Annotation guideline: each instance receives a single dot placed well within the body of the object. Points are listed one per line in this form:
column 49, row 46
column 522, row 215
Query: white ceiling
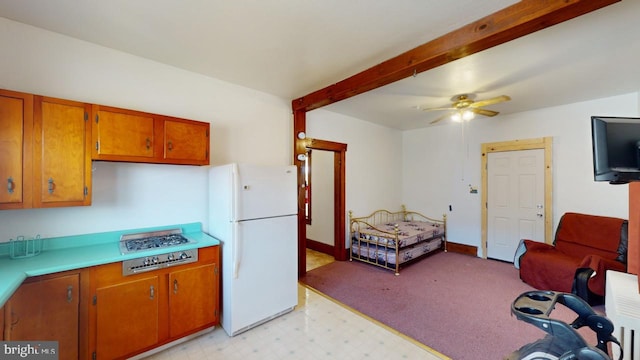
column 290, row 48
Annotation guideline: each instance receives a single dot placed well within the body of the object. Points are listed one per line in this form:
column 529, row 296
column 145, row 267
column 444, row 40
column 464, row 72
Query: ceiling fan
column 463, row 107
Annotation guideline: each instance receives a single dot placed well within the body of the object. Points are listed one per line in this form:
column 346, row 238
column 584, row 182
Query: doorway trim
column 339, row 169
column 544, row 143
column 339, row 207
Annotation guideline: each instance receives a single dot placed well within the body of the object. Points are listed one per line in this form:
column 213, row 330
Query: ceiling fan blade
column 495, row 100
column 440, row 118
column 484, row 112
column 435, row 109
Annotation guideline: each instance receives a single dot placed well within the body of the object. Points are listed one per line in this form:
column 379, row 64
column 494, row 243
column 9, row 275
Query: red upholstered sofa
column 585, row 247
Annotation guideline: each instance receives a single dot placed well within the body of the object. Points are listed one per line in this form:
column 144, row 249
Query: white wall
column 374, row 160
column 438, row 169
column 138, row 195
column 426, row 169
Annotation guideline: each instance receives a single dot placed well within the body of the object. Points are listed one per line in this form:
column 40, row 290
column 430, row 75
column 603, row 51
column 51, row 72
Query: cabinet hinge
column 94, row 356
column 215, row 270
column 86, row 191
column 97, row 118
column 97, row 145
column 95, row 300
column 86, row 116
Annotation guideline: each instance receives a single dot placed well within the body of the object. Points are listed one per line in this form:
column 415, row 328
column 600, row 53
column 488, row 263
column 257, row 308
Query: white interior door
column 515, row 200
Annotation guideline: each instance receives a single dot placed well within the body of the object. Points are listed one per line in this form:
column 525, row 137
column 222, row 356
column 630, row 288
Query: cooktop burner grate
column 165, row 239
column 151, row 240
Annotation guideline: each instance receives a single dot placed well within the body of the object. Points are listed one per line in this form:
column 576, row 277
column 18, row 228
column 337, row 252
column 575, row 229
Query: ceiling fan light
column 468, row 115
column 456, row 116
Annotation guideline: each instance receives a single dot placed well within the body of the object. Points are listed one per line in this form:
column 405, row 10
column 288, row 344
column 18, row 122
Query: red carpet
column 457, row 304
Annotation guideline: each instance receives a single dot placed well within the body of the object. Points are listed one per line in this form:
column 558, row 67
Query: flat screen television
column 616, row 149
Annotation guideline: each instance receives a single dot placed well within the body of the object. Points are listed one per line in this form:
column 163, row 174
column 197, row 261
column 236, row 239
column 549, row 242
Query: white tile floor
column 318, row 328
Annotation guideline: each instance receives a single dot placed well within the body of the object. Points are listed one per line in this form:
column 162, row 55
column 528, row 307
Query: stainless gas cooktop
column 130, row 243
column 165, row 239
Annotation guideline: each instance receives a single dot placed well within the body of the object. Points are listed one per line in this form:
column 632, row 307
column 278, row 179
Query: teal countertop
column 80, row 251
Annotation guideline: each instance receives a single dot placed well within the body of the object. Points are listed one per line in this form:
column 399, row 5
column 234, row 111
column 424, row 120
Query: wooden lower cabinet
column 134, row 314
column 193, row 299
column 49, row 308
column 127, row 317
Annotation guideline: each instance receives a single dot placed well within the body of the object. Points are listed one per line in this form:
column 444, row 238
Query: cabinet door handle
column 152, row 292
column 52, row 185
column 148, row 143
column 11, row 185
column 69, row 293
column 170, row 145
column 175, row 286
column 15, row 319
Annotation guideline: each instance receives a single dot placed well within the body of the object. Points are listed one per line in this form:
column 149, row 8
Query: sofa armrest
column 526, row 245
column 600, row 266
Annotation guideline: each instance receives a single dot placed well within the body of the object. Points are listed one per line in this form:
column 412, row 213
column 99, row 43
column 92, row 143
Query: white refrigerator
column 253, row 212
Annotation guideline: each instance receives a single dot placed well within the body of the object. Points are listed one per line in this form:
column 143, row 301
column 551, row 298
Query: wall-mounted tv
column 616, row 149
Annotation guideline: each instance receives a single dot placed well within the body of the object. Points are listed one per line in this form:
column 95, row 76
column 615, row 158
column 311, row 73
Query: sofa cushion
column 581, row 235
column 548, row 269
column 580, row 251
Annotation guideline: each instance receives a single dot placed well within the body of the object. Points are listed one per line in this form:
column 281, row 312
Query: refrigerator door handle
column 235, row 186
column 235, row 212
column 237, row 249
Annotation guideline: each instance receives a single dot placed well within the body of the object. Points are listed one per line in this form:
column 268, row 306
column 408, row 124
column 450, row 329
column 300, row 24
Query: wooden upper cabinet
column 16, row 125
column 123, row 135
column 135, row 136
column 186, row 142
column 45, row 159
column 62, row 154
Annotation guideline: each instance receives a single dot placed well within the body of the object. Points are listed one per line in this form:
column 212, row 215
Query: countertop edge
column 16, row 271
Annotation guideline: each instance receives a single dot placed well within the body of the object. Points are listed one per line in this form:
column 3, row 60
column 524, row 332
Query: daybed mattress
column 409, row 233
column 387, row 256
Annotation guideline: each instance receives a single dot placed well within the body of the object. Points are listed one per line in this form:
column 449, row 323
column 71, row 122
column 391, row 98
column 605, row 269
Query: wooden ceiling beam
column 520, row 19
